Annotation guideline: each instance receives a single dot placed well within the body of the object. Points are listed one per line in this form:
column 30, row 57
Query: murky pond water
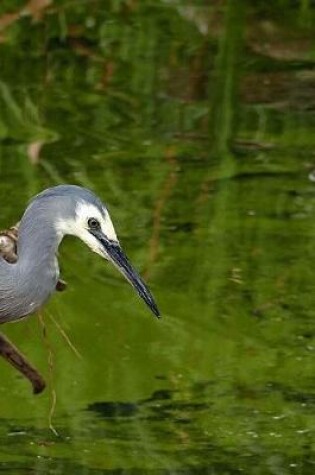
column 195, row 124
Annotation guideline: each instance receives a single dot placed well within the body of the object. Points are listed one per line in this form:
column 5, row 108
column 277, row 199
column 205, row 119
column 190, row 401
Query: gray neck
column 37, row 244
column 37, row 247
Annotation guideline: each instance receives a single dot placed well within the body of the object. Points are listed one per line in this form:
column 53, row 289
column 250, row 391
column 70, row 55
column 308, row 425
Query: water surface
column 195, row 124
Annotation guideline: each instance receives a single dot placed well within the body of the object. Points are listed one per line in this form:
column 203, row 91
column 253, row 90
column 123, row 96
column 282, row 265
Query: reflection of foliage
column 21, row 123
column 201, row 433
column 196, row 124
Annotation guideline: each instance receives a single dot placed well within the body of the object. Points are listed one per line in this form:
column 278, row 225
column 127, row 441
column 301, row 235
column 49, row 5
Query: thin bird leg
column 13, row 356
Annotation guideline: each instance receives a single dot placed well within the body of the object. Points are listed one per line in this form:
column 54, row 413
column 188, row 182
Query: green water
column 195, row 124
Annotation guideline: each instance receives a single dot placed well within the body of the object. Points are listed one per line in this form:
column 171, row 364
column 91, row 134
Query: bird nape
column 29, row 279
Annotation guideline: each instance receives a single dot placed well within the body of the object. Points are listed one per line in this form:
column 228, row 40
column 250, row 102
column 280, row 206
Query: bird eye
column 93, row 223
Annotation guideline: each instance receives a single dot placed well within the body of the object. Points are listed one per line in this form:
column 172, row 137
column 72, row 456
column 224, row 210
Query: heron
column 28, row 281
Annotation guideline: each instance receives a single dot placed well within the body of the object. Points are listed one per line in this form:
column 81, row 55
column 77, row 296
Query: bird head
column 81, row 213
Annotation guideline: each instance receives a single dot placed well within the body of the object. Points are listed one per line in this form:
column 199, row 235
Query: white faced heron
column 25, row 285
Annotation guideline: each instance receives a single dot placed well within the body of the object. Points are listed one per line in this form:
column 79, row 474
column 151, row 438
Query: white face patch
column 79, row 226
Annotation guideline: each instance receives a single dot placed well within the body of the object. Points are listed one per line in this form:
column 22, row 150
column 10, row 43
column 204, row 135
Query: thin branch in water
column 51, row 375
column 166, row 192
column 13, row 356
column 65, row 336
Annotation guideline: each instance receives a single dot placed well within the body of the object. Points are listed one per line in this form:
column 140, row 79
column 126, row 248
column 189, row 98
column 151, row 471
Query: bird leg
column 8, row 250
column 13, row 356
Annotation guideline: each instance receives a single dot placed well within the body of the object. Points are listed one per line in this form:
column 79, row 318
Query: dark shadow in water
column 164, row 427
column 292, row 395
column 174, row 416
column 159, row 407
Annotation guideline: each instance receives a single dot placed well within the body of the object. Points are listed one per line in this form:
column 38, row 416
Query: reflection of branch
column 10, row 353
column 34, row 8
column 157, row 213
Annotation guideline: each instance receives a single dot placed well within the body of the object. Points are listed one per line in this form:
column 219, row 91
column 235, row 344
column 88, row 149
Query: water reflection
column 195, row 124
column 168, row 428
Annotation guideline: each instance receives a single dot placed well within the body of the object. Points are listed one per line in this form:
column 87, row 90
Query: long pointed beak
column 115, row 253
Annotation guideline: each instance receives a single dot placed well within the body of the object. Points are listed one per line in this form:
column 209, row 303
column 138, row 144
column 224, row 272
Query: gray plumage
column 27, row 284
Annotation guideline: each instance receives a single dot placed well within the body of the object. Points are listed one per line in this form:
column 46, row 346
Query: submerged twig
column 166, row 191
column 51, row 374
column 13, row 356
column 65, row 336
